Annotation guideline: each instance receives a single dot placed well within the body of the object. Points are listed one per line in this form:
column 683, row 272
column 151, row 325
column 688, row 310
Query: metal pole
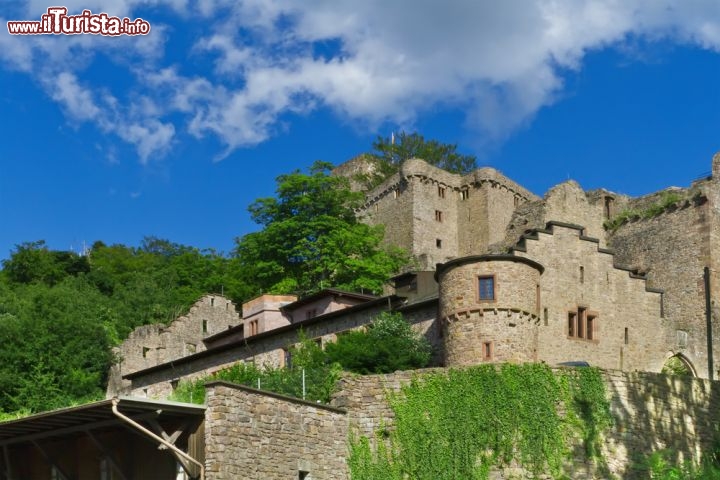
column 708, row 320
column 303, row 376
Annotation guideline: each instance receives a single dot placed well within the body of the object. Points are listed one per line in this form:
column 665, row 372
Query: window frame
column 478, row 282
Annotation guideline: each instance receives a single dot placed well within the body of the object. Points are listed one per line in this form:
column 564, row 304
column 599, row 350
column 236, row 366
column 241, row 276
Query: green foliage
column 460, row 424
column 307, row 356
column 34, row 262
column 61, row 313
column 388, row 344
column 666, row 200
column 389, row 155
column 675, row 366
column 660, row 466
column 311, row 239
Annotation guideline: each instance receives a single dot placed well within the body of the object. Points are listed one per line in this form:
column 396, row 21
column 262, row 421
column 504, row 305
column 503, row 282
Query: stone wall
column 651, row 412
column 503, row 328
column 151, row 345
column 672, row 249
column 629, row 331
column 268, row 349
column 255, row 434
column 437, row 215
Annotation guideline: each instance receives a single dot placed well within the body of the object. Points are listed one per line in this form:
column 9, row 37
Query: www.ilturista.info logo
column 56, row 22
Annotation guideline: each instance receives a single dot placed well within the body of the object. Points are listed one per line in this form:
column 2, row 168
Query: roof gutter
column 181, row 455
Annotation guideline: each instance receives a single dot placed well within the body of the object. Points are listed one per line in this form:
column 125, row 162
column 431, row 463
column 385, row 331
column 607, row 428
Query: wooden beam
column 155, row 425
column 106, row 454
column 50, row 461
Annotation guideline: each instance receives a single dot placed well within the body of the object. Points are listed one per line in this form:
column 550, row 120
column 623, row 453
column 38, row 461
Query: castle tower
column 489, row 309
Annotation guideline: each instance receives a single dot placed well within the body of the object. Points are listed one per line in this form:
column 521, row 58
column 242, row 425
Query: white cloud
column 370, row 62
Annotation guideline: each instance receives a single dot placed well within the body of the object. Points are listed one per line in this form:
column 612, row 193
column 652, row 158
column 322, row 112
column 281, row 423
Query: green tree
column 34, row 262
column 388, row 344
column 390, row 153
column 311, row 239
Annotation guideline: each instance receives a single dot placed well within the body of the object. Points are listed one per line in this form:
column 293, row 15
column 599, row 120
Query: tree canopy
column 390, row 152
column 311, row 239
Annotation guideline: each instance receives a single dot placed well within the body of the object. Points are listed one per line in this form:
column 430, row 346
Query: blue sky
column 174, row 134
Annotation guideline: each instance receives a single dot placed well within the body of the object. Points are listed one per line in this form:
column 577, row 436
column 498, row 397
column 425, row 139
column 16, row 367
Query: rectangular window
column 204, row 326
column 581, row 323
column 572, row 317
column 441, row 192
column 582, row 274
column 486, row 288
column 590, row 327
column 254, row 327
column 627, row 336
column 396, row 193
column 287, row 357
column 438, row 216
column 438, row 243
column 545, row 316
column 145, row 351
column 487, row 350
column 464, row 194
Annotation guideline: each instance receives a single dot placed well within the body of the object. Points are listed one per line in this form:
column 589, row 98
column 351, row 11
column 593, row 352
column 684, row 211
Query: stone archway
column 679, row 364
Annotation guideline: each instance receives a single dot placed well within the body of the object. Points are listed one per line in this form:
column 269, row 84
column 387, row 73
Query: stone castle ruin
column 629, row 285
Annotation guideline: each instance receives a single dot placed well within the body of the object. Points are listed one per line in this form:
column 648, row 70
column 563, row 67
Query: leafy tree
column 389, row 344
column 311, row 239
column 390, row 153
column 34, row 262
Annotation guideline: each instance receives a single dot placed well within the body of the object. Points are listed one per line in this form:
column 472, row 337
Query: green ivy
column 461, row 423
column 666, row 200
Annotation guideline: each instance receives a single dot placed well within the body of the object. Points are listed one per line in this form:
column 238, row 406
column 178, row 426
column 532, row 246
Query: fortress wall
column 651, row 412
column 673, row 248
column 254, row 434
column 151, row 345
column 581, row 282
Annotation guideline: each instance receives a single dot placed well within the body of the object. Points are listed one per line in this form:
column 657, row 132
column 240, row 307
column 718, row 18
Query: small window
column 545, row 316
column 145, row 351
column 204, row 326
column 572, row 320
column 581, row 323
column 516, row 201
column 396, row 193
column 303, row 475
column 441, row 192
column 438, row 243
column 287, row 358
column 590, row 328
column 487, row 350
column 608, row 207
column 627, row 337
column 438, row 216
column 582, row 274
column 464, row 194
column 486, row 288
column 254, row 327
column 377, row 207
column 212, row 301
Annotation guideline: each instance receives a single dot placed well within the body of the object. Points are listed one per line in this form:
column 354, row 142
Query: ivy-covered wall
column 648, row 412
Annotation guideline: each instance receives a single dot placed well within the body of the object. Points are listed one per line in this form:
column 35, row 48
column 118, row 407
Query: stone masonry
column 651, row 412
column 255, row 434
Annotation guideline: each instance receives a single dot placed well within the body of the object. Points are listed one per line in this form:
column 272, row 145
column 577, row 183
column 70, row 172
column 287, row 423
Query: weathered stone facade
column 150, row 345
column 255, row 434
column 651, row 412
